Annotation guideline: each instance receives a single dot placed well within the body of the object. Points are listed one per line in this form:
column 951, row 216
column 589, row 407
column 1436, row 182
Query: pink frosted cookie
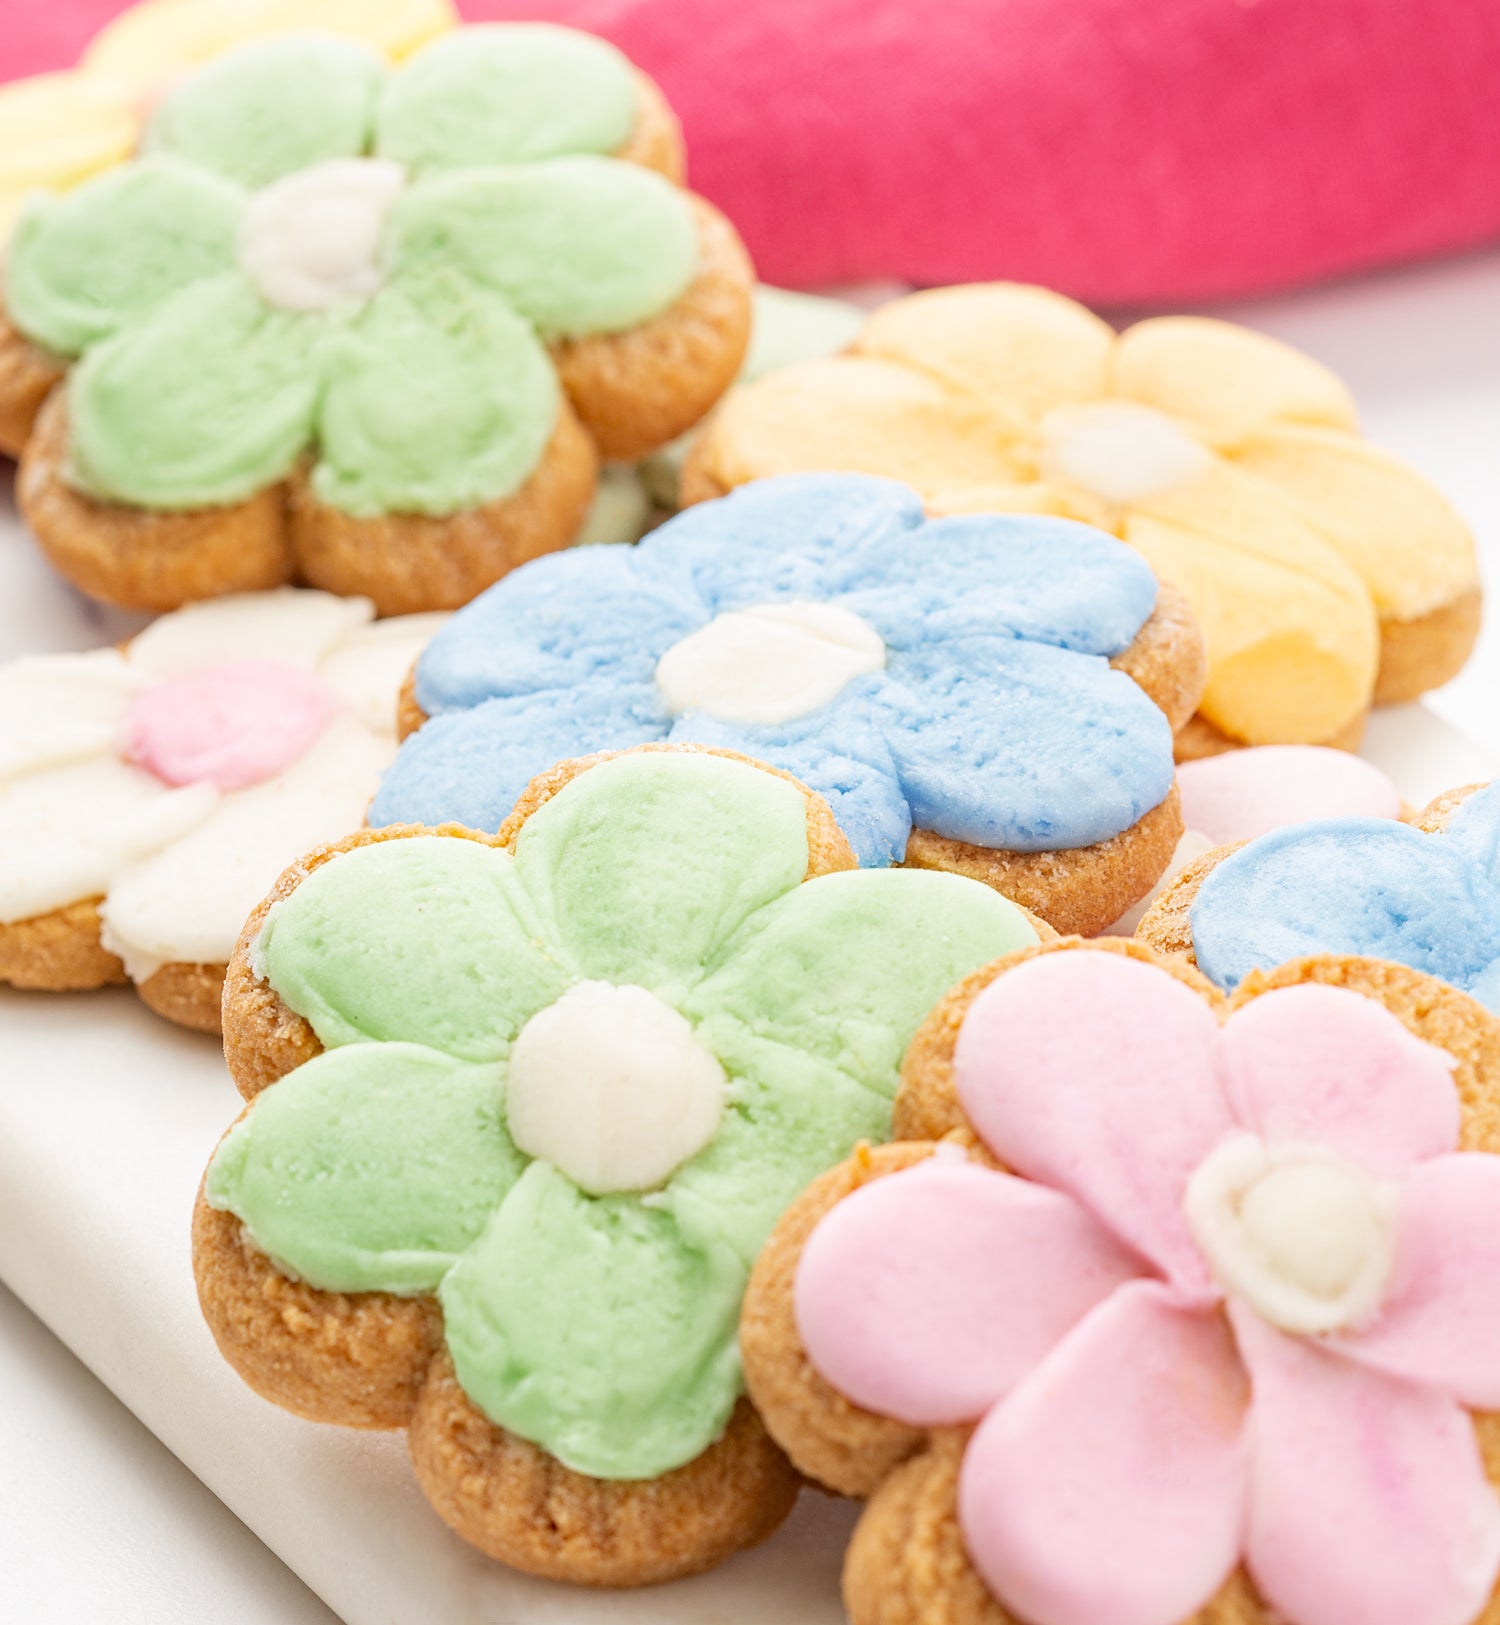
column 1172, row 1310
column 149, row 795
column 1242, row 794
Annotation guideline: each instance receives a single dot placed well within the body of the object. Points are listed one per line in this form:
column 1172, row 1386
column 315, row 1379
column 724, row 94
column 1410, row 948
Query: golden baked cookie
column 1326, row 575
column 1163, row 1307
column 523, row 1108
column 149, row 794
column 992, row 696
column 382, row 352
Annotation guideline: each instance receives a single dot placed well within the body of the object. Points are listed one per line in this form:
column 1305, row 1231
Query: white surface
column 100, row 1521
column 107, row 1116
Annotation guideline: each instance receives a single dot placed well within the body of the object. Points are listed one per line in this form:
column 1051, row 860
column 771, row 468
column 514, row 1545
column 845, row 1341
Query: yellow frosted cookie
column 1325, row 572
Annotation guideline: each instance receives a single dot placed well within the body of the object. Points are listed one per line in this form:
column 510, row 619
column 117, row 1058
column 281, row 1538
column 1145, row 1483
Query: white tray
column 108, row 1115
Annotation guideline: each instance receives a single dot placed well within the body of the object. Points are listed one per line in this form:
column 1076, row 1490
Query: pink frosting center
column 230, row 726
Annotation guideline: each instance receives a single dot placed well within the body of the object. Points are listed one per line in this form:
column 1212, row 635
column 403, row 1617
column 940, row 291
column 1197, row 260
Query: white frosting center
column 1301, row 1234
column 610, row 1086
column 312, row 240
column 1118, row 452
column 770, row 663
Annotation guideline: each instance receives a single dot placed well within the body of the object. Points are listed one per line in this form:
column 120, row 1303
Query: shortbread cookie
column 150, row 795
column 946, row 685
column 1425, row 895
column 1170, row 1309
column 523, row 1109
column 1240, row 794
column 1325, row 573
column 381, row 349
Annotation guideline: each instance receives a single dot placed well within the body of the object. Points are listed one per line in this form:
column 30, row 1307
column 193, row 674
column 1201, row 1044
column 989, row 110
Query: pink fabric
column 1120, row 1473
column 1246, row 793
column 1121, row 150
column 231, row 726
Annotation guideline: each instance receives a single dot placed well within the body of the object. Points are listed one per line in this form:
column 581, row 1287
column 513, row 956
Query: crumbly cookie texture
column 908, row 1563
column 621, row 390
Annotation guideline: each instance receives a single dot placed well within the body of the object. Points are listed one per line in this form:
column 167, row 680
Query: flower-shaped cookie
column 58, row 129
column 1231, row 461
column 947, row 686
column 1182, row 1320
column 568, row 1080
column 1425, row 895
column 371, row 326
column 150, row 795
column 1240, row 794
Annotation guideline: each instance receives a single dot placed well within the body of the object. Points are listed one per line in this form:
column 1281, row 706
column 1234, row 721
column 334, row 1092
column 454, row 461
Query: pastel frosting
column 1242, row 794
column 950, row 675
column 318, row 252
column 1232, row 462
column 647, row 955
column 1361, row 886
column 175, row 779
column 1230, row 1306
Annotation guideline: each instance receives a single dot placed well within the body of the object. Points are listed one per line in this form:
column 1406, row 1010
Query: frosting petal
column 369, row 1168
column 1440, row 1322
column 1325, row 1066
column 1046, row 580
column 470, row 767
column 848, row 965
column 62, row 708
column 204, row 401
column 369, row 664
column 1064, row 720
column 430, row 939
column 1474, row 828
column 55, row 846
column 1118, row 1111
column 506, row 94
column 297, row 625
column 1353, row 886
column 576, row 245
column 602, row 611
column 867, row 416
column 928, row 1295
column 1291, row 633
column 271, row 106
column 1245, row 793
column 1226, row 379
column 1020, row 350
column 794, row 536
column 188, row 900
column 640, row 1384
column 856, row 776
column 1110, row 1487
column 790, row 1116
column 643, row 867
column 1400, row 535
column 81, row 266
column 1368, row 1498
column 437, row 398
